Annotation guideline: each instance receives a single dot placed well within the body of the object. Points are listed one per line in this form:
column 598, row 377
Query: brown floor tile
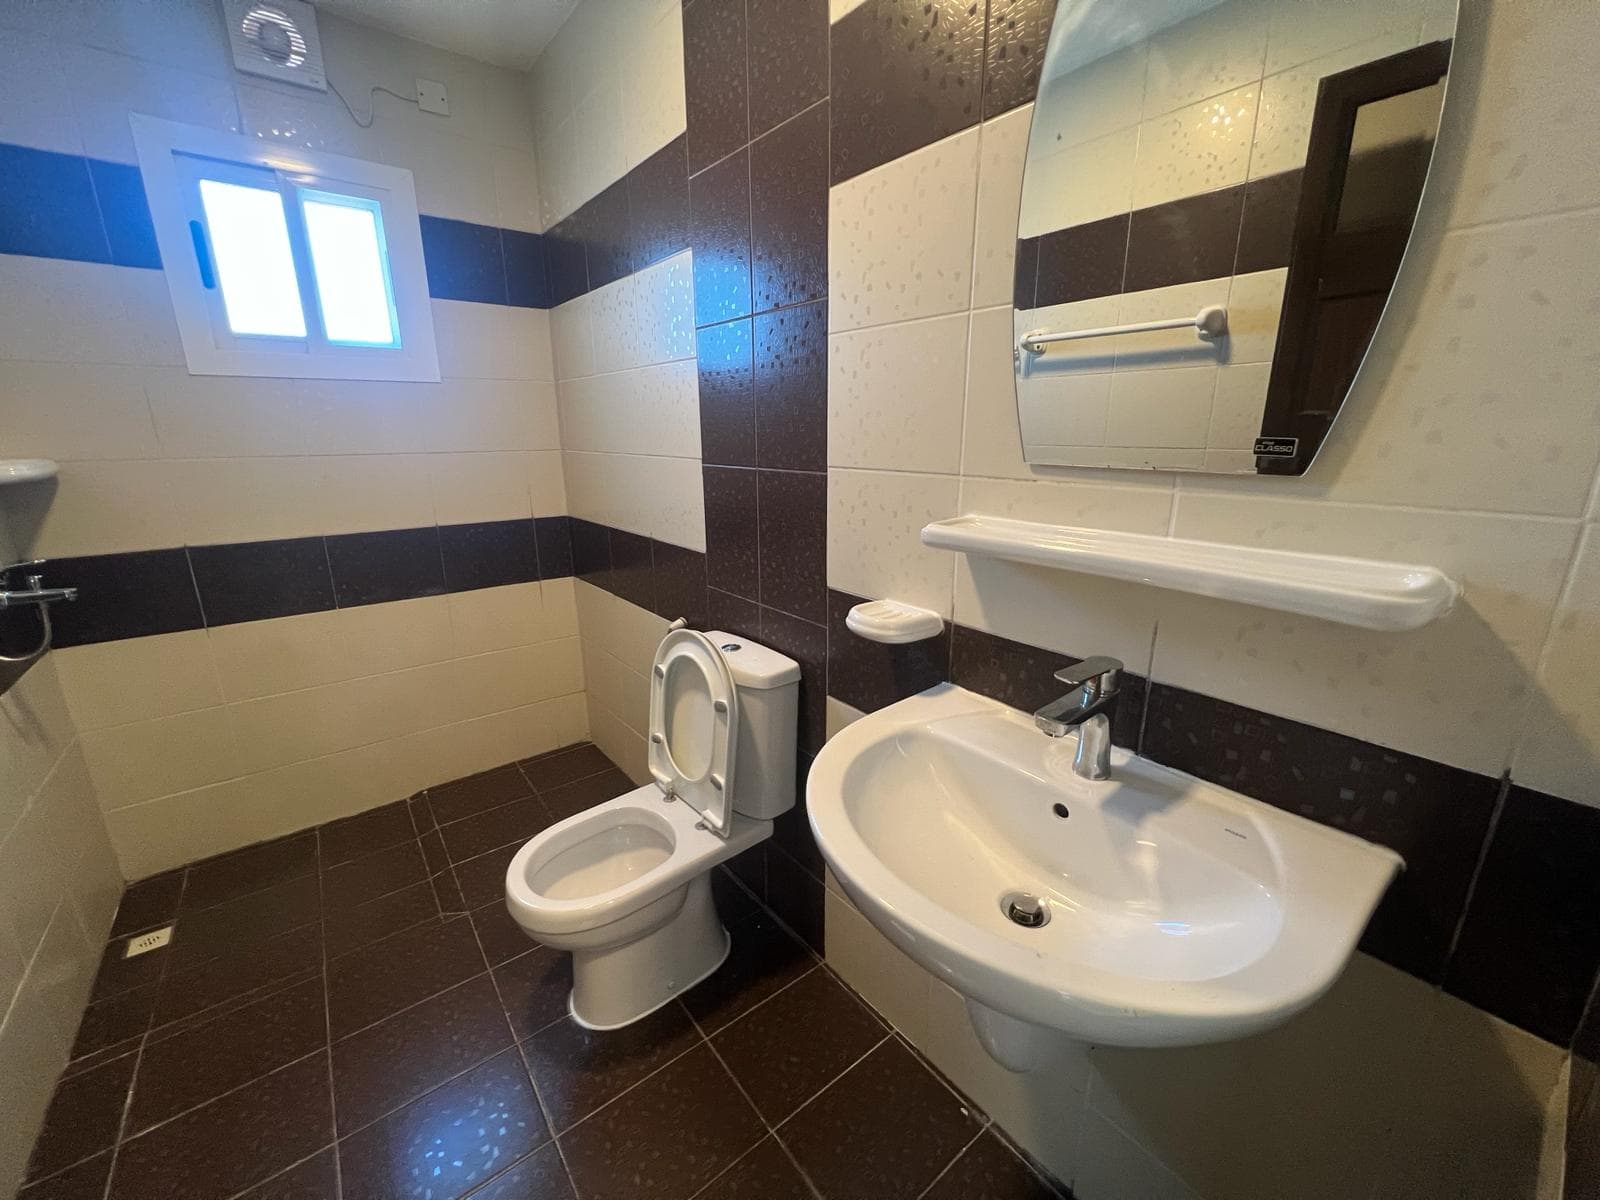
column 489, row 789
column 118, row 974
column 577, row 1070
column 483, row 878
column 447, row 893
column 540, row 1176
column 115, row 1020
column 514, row 822
column 449, row 1141
column 314, row 1179
column 393, row 1062
column 577, row 762
column 989, row 1170
column 733, row 902
column 149, row 903
column 354, row 837
column 386, row 976
column 766, row 1173
column 83, row 1118
column 572, row 798
column 433, row 851
column 373, row 875
column 232, row 1143
column 348, row 929
column 764, row 958
column 796, row 896
column 667, row 1137
column 421, row 814
column 189, row 990
column 240, row 872
column 534, row 988
column 234, row 926
column 205, row 1060
column 882, row 1131
column 790, row 1048
column 86, row 1181
column 502, row 938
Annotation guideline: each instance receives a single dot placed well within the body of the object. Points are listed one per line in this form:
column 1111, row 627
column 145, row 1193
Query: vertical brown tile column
column 756, row 77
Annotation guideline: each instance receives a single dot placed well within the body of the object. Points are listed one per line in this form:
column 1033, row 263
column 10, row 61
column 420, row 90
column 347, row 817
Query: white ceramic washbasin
column 1179, row 912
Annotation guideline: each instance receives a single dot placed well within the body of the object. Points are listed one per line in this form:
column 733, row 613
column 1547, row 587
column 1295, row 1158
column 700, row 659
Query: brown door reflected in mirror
column 1371, row 142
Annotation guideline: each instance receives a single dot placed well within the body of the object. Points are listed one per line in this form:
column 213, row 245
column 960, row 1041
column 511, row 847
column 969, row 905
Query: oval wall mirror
column 1217, row 197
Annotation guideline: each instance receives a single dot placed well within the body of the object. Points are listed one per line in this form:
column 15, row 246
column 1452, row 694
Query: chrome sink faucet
column 1094, row 683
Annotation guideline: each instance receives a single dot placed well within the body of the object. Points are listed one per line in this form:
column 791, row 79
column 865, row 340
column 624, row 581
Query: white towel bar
column 1210, row 322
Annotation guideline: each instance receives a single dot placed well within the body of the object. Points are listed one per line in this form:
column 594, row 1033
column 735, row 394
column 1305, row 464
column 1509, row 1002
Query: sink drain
column 1025, row 909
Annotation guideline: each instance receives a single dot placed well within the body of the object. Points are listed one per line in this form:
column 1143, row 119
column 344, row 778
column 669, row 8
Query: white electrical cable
column 372, row 111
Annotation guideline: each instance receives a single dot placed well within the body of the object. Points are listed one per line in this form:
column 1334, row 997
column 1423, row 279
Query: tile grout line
column 949, row 1166
column 588, row 1116
column 327, row 1009
column 825, row 1088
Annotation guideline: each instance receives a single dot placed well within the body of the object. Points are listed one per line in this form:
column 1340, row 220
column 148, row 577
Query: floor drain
column 1025, row 909
column 146, row 942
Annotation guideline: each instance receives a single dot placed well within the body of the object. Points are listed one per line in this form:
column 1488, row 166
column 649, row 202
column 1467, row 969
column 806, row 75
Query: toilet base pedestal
column 615, row 986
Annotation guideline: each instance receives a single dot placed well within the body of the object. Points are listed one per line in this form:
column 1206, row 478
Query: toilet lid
column 694, row 719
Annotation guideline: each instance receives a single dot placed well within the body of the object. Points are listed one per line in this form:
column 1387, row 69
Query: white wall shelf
column 26, row 470
column 1350, row 591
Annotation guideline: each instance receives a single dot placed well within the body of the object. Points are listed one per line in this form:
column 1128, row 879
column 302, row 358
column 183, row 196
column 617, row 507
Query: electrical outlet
column 431, row 97
column 146, row 942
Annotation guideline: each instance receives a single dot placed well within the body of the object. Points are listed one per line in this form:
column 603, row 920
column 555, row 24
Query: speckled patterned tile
column 371, row 983
column 791, row 1047
column 666, row 1137
column 807, row 643
column 374, row 875
column 502, row 938
column 575, row 762
column 1019, row 32
column 314, row 1179
column 148, row 903
column 487, row 789
column 727, row 396
column 792, row 517
column 233, row 1142
column 85, row 1181
column 905, row 73
column 719, row 234
column 715, row 84
column 456, row 1137
column 577, row 1070
column 883, row 1131
column 398, row 1059
column 731, row 539
column 763, row 960
column 870, row 675
column 989, row 1170
column 534, row 987
column 766, row 1173
column 376, row 829
column 241, row 872
column 187, row 1068
column 540, row 1176
column 791, row 388
column 789, row 212
column 788, row 57
column 83, row 1117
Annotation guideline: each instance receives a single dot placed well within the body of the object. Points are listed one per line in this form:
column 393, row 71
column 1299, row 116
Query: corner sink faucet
column 1094, row 684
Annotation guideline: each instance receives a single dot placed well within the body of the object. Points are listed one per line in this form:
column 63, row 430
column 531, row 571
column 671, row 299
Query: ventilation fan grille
column 277, row 39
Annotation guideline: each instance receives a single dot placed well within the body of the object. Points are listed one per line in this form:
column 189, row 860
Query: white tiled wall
column 607, row 93
column 59, row 887
column 199, row 742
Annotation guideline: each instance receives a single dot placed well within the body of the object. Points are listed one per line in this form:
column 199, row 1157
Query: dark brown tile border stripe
column 144, row 592
column 1495, row 910
column 1233, row 230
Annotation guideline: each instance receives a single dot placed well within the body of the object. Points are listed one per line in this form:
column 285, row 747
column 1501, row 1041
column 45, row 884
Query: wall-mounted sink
column 1150, row 909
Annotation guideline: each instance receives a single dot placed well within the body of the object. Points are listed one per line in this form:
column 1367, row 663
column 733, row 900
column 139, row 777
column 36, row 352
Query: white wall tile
column 1002, row 150
column 896, row 395
column 1237, row 407
column 98, row 508
column 875, row 521
column 131, row 763
column 991, row 439
column 1302, row 30
column 110, row 683
column 547, row 490
column 572, row 338
column 479, row 487
column 1560, row 752
column 40, row 112
column 1175, row 347
column 1161, row 408
column 106, row 87
column 74, row 411
column 1076, row 184
column 1214, row 52
column 1196, row 149
column 492, row 341
column 516, row 189
column 53, row 310
column 1092, row 101
column 900, row 237
column 1441, row 691
column 652, row 85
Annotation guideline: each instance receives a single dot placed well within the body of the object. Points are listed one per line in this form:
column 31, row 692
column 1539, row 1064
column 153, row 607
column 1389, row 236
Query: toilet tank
column 769, row 716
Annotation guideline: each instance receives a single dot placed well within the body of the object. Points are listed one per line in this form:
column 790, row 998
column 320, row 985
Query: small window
column 287, row 263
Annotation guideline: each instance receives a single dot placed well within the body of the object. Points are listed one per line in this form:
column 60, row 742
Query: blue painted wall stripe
column 67, row 206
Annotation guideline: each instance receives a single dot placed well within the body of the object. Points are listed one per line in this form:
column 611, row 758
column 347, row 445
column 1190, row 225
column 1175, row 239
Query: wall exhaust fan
column 278, row 39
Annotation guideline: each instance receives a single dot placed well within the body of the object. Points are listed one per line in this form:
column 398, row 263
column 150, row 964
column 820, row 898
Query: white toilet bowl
column 626, row 885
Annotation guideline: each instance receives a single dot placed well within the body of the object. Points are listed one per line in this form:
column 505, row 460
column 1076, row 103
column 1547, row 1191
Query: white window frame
column 208, row 345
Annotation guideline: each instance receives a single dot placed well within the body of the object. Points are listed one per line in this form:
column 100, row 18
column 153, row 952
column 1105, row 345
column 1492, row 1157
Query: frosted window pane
column 255, row 269
column 351, row 266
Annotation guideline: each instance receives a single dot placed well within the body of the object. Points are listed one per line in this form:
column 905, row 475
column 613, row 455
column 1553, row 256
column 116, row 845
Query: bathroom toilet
column 626, row 885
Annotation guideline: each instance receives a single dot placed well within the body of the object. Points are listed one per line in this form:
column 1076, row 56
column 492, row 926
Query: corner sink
column 1174, row 912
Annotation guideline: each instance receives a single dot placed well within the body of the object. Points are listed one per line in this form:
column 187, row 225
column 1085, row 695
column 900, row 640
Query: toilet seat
column 694, row 722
